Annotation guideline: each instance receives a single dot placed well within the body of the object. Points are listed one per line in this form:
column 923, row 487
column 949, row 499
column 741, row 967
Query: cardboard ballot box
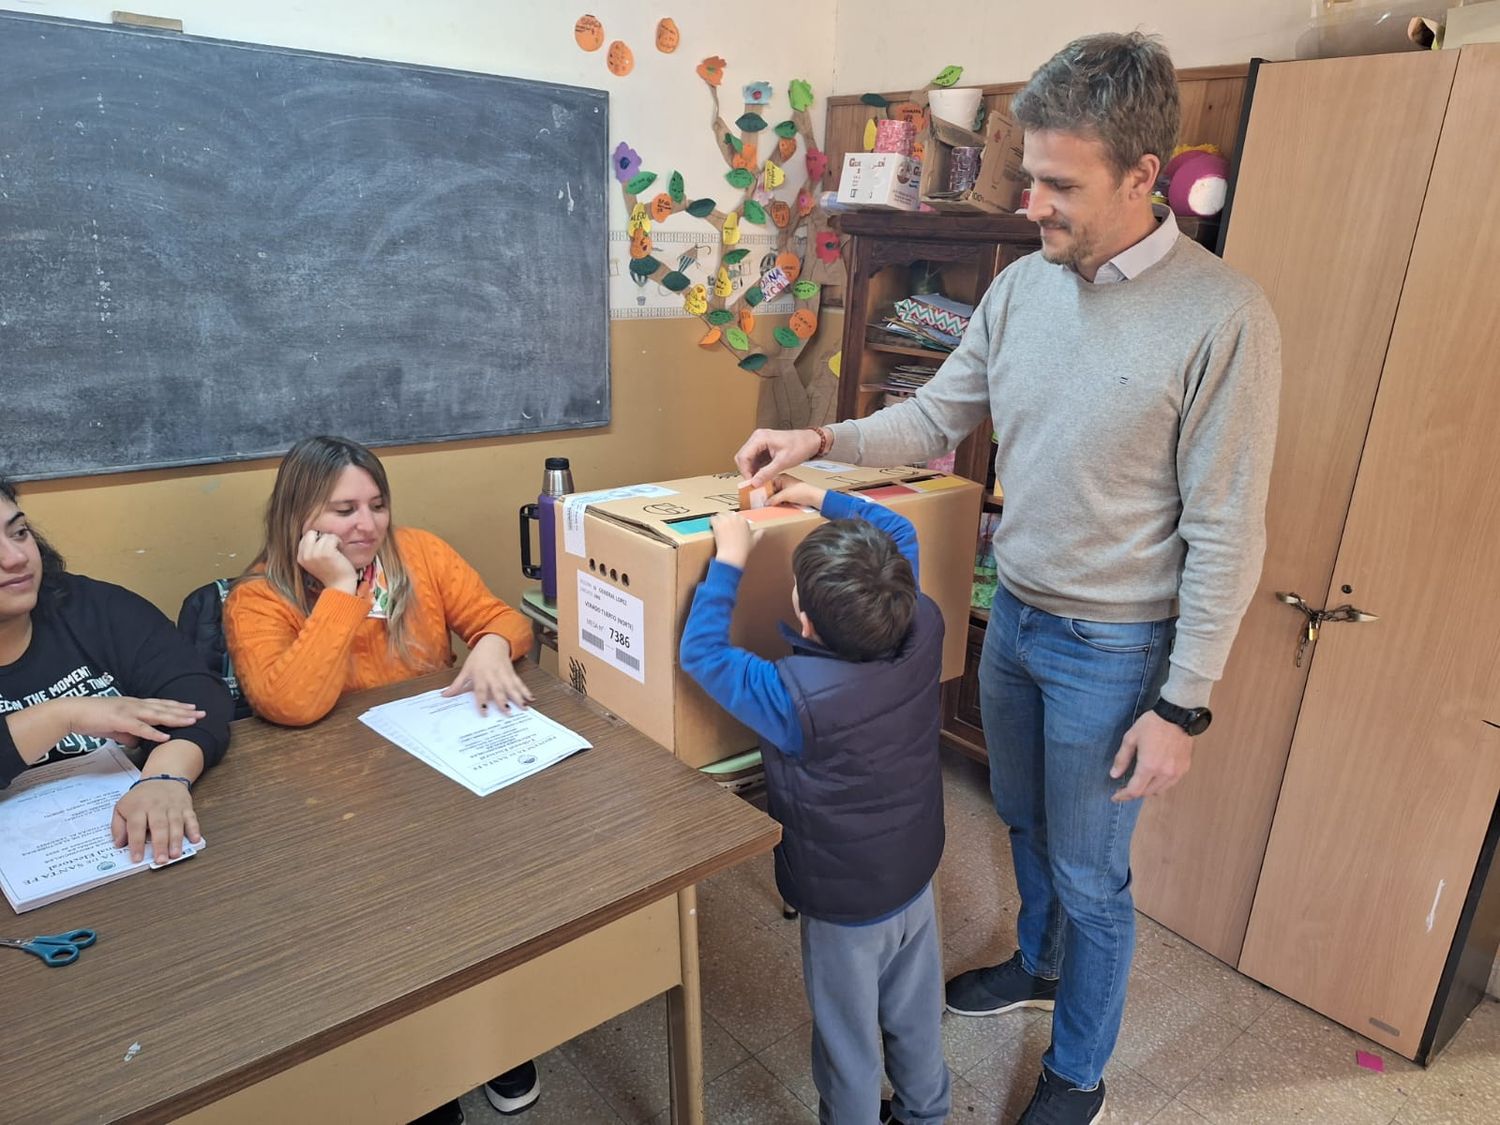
column 629, row 561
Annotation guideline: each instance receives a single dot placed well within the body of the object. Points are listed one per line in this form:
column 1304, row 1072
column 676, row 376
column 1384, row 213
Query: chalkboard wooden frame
column 210, row 249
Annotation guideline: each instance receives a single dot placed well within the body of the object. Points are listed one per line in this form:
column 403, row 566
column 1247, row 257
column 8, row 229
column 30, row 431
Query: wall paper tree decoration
column 804, row 255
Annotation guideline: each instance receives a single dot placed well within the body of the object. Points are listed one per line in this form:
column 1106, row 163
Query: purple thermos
column 557, row 482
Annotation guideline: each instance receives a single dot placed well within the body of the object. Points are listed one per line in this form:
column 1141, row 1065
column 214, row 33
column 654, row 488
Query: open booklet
column 482, row 752
column 55, row 829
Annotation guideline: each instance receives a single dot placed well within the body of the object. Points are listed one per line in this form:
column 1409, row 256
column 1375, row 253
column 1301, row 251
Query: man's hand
column 769, row 452
column 734, row 538
column 1162, row 752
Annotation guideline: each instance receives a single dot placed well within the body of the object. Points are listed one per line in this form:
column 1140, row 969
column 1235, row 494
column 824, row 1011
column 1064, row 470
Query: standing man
column 1132, row 378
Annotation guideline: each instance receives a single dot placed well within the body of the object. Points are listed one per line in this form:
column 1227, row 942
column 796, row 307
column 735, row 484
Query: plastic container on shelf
column 1338, row 28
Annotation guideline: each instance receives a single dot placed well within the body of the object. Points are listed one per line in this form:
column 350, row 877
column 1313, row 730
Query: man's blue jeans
column 1058, row 695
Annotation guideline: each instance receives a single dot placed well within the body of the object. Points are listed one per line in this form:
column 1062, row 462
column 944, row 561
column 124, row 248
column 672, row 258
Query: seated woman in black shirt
column 82, row 663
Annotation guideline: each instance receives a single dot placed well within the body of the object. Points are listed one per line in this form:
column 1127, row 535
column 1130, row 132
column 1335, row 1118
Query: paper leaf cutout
column 640, row 183
column 786, row 338
column 751, row 123
column 747, row 320
column 800, row 94
column 676, row 281
column 734, row 142
column 775, row 177
column 805, row 290
column 741, row 178
column 787, row 130
column 710, row 338
column 869, row 138
column 753, row 296
column 835, row 363
column 754, row 212
column 588, row 32
column 701, row 208
column 735, row 256
column 948, row 76
column 675, row 187
column 736, row 339
column 875, row 100
column 753, row 362
column 644, row 267
column 720, row 317
column 731, row 233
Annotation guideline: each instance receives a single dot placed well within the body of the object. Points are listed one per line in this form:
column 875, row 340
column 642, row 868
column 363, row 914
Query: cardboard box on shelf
column 880, row 179
column 630, row 560
column 1000, row 182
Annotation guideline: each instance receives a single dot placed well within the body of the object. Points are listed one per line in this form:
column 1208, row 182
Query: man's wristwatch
column 1194, row 720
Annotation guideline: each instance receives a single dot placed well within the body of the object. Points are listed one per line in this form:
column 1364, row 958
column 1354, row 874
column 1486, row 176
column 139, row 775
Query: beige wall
column 892, row 45
column 677, row 412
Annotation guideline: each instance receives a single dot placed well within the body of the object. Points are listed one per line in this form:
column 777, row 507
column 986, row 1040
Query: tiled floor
column 1200, row 1042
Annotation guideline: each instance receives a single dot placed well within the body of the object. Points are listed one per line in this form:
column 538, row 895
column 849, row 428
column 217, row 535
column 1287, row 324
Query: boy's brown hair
column 856, row 588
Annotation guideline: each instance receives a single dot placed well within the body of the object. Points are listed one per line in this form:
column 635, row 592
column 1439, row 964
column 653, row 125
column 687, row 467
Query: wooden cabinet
column 1335, row 837
column 891, row 254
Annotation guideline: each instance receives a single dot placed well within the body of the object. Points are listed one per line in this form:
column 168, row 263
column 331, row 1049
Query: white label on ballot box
column 612, row 625
column 574, row 506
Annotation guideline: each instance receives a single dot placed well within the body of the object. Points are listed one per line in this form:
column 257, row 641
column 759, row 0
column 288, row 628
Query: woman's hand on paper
column 767, row 453
column 491, row 674
column 319, row 553
column 160, row 810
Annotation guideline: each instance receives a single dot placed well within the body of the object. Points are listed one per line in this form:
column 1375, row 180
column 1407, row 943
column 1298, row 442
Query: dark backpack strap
column 201, row 621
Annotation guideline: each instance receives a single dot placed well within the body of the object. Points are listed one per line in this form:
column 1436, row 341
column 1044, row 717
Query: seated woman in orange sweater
column 339, row 600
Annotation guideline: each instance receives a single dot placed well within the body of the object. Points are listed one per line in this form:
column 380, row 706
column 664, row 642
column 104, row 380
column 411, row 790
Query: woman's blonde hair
column 304, row 482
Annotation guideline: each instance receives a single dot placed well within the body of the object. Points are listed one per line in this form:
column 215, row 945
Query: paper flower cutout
column 711, row 70
column 817, row 164
column 827, row 245
column 627, row 162
column 758, row 93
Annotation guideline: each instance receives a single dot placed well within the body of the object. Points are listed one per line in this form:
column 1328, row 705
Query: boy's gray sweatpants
column 868, row 985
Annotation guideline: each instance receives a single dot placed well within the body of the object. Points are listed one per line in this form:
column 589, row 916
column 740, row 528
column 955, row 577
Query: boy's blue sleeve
column 848, row 506
column 745, row 685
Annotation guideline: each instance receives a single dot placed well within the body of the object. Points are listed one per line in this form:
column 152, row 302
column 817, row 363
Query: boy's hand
column 734, row 538
column 790, row 490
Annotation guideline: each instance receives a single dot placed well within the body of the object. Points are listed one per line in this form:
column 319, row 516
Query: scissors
column 54, row 949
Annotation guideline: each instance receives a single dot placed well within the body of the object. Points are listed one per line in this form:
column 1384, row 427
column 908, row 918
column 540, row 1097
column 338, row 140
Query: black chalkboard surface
column 211, row 249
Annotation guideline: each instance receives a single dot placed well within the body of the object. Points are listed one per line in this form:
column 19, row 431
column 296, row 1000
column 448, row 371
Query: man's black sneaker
column 999, row 988
column 514, row 1091
column 1057, row 1103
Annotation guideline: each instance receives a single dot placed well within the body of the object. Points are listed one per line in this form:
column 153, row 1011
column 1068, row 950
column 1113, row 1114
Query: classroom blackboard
column 209, row 250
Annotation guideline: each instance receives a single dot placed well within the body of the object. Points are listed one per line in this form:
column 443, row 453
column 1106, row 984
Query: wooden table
column 364, row 938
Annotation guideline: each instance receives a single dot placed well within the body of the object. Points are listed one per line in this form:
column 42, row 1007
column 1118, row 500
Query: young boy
column 849, row 737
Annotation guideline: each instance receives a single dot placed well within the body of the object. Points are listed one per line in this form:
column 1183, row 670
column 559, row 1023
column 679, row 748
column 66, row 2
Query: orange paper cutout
column 786, row 148
column 789, row 264
column 640, row 245
column 804, row 323
column 661, row 207
column 747, row 320
column 746, row 157
column 711, row 338
column 588, row 32
column 781, row 213
column 667, row 36
column 711, row 70
column 621, row 60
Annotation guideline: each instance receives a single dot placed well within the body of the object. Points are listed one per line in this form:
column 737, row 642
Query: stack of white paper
column 55, row 829
column 483, row 753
